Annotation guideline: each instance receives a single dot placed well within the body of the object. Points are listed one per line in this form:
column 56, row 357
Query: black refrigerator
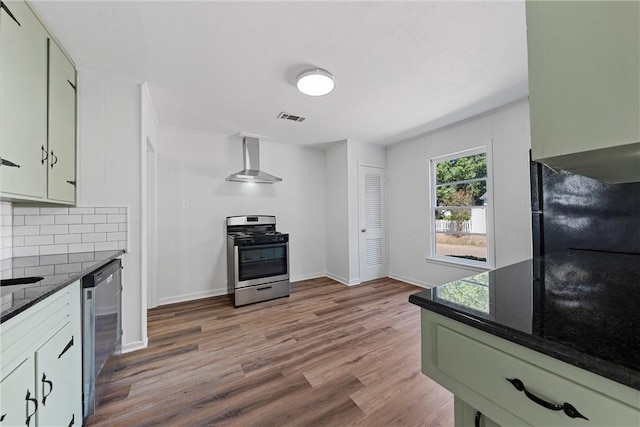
column 575, row 212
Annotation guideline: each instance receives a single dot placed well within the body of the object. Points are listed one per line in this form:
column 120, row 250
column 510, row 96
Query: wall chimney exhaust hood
column 251, row 171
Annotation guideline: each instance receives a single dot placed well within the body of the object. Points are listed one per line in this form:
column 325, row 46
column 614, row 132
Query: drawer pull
column 568, row 408
column 35, row 402
column 67, row 347
column 478, row 418
column 264, row 288
column 45, row 381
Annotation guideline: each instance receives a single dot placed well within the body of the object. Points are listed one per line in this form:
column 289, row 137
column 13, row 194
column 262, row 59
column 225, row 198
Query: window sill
column 460, row 263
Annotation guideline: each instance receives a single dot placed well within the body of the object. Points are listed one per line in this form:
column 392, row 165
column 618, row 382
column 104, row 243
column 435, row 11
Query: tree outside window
column 459, row 204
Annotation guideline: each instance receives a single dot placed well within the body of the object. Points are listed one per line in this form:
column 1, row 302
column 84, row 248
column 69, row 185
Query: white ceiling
column 402, row 68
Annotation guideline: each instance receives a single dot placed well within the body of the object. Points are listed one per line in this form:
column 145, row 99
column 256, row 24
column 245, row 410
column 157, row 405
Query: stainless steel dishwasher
column 101, row 331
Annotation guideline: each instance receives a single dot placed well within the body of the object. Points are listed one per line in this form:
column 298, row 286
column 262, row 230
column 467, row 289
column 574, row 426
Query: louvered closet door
column 373, row 245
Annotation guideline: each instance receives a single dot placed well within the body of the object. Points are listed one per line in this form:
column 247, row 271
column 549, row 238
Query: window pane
column 469, row 194
column 462, row 168
column 461, row 233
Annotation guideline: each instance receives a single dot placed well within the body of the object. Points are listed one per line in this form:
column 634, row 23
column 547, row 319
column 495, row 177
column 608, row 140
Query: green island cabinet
column 41, row 360
column 37, row 111
column 584, row 87
column 474, row 366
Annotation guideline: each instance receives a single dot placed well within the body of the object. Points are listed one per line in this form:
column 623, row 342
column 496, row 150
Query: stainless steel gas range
column 257, row 259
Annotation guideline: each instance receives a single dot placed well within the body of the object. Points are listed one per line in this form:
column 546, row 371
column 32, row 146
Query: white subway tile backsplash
column 84, row 257
column 26, row 251
column 106, row 228
column 53, row 249
column 26, row 211
column 6, row 208
column 94, row 219
column 68, row 268
column 82, row 228
column 113, row 237
column 60, row 232
column 38, row 219
column 94, row 237
column 39, row 270
column 53, row 259
column 27, row 261
column 107, row 210
column 81, row 211
column 106, row 246
column 54, row 229
column 38, row 240
column 54, row 211
column 68, row 219
column 81, row 247
column 117, row 218
column 6, row 253
column 68, row 238
column 17, row 272
column 6, row 231
column 26, row 230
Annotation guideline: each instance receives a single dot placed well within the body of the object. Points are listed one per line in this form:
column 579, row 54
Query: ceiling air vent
column 288, row 116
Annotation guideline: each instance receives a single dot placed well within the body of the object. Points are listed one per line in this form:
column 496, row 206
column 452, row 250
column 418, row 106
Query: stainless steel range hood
column 251, row 171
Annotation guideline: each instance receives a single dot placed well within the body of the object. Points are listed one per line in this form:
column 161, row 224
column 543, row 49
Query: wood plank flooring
column 328, row 355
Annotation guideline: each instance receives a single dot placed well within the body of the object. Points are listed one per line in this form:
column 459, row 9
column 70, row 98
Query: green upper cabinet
column 584, row 87
column 23, row 102
column 62, row 127
column 37, row 111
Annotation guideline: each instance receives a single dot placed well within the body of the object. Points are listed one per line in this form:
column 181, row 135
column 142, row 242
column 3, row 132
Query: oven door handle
column 264, row 288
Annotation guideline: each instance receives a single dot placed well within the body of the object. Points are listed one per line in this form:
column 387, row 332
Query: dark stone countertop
column 581, row 307
column 57, row 271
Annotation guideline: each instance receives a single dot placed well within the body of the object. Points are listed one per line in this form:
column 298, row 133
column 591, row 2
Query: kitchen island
column 562, row 327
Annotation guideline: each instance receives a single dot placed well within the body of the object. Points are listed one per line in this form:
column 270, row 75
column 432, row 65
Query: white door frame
column 362, row 224
column 152, row 225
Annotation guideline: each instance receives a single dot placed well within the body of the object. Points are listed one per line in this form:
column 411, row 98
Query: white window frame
column 449, row 260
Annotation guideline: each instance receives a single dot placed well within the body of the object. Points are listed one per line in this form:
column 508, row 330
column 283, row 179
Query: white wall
column 342, row 160
column 194, row 200
column 366, row 154
column 408, row 193
column 109, row 174
column 337, row 212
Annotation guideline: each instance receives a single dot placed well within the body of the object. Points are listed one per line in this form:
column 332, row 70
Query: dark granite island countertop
column 581, row 307
column 57, row 271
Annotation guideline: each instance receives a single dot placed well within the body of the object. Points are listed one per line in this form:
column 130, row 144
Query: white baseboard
column 192, row 296
column 133, row 346
column 337, row 278
column 412, row 281
column 307, row 277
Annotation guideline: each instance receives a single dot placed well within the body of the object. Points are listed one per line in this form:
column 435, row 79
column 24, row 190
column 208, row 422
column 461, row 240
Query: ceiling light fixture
column 316, row 82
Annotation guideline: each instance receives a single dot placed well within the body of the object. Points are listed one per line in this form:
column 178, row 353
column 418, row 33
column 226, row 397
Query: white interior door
column 373, row 241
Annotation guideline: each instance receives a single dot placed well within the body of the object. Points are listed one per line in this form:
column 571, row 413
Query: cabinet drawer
column 485, row 370
column 32, row 327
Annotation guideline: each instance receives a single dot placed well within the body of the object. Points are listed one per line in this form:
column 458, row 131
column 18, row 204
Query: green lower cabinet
column 18, row 401
column 468, row 416
column 512, row 385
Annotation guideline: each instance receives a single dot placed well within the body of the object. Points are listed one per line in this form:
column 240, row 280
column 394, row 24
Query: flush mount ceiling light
column 316, row 82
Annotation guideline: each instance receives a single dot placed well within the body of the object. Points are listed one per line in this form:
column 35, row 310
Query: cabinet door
column 62, row 127
column 56, row 385
column 18, row 404
column 23, row 101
